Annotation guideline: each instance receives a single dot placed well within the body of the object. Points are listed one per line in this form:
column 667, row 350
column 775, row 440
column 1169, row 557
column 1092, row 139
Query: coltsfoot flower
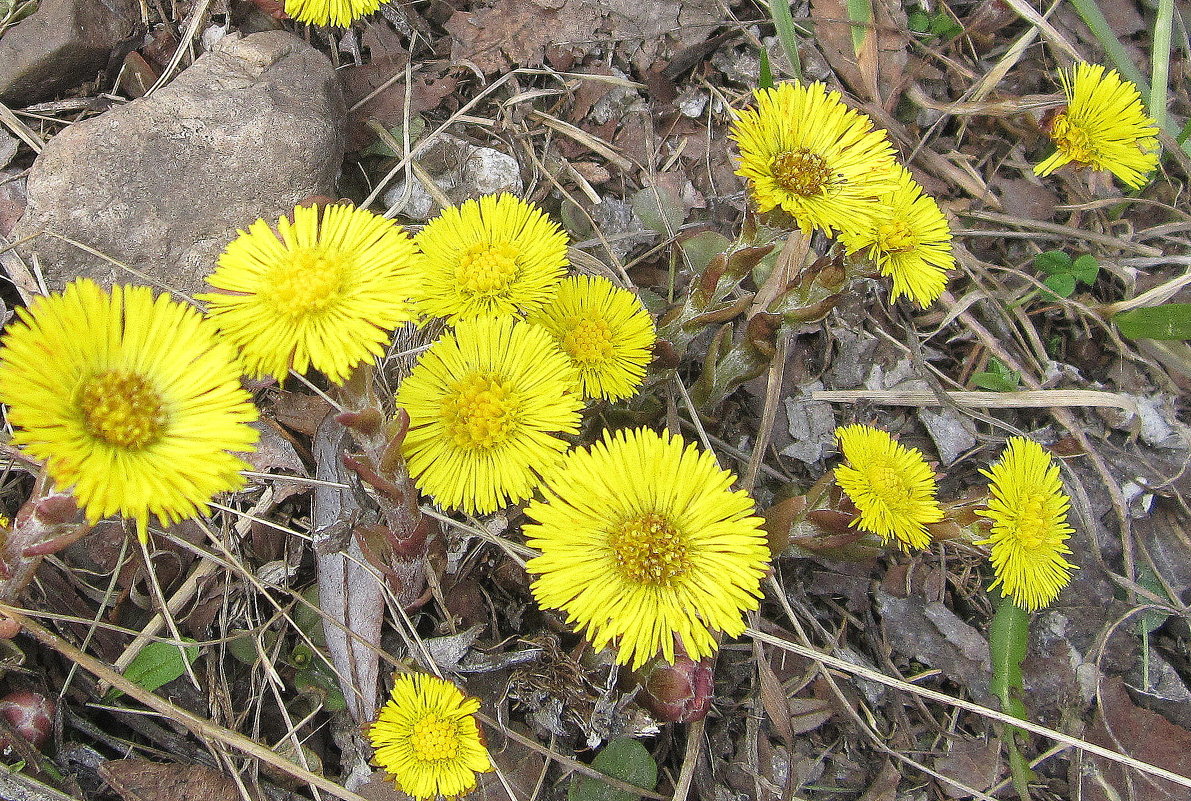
column 891, row 485
column 128, row 399
column 605, row 330
column 804, row 151
column 1104, row 126
column 426, row 738
column 644, row 542
column 340, row 13
column 488, row 403
column 909, row 240
column 489, row 257
column 326, row 294
column 1028, row 510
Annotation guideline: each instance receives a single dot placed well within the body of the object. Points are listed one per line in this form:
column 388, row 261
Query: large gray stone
column 62, row 44
column 162, row 183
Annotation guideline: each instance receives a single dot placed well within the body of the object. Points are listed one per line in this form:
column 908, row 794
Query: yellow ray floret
column 326, row 294
column 909, row 240
column 340, row 13
column 489, row 257
column 1028, row 510
column 128, row 399
column 605, row 331
column 644, row 543
column 426, row 738
column 1104, row 126
column 488, row 404
column 804, row 151
column 891, row 485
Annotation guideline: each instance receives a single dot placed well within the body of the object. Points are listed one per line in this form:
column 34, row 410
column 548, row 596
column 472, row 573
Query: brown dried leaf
column 142, row 780
column 875, row 70
column 516, row 32
column 973, row 762
column 1139, row 733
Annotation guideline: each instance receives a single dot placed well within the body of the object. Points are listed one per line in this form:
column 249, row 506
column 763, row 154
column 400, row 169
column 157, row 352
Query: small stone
column 62, row 44
column 460, row 171
column 161, row 184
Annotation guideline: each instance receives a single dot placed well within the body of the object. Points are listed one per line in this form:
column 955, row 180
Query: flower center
column 895, row 236
column 649, row 550
column 123, row 409
column 588, row 341
column 1072, row 140
column 480, row 411
column 434, row 739
column 888, row 485
column 1032, row 525
column 801, row 172
column 308, row 282
column 487, row 269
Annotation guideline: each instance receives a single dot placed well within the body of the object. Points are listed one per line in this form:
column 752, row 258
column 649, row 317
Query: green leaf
column 659, row 210
column 1053, row 261
column 996, row 381
column 1168, row 321
column 701, row 248
column 918, row 21
column 1085, row 269
column 624, row 759
column 157, row 664
column 1151, row 618
column 1060, row 284
column 765, row 81
column 944, row 26
column 1007, row 641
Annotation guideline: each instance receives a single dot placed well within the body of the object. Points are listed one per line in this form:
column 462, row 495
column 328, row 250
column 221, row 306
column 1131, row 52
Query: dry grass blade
column 991, row 714
column 204, row 729
column 1027, row 399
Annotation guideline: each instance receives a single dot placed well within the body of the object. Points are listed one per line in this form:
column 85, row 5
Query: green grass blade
column 860, row 12
column 1093, row 17
column 783, row 24
column 1160, row 61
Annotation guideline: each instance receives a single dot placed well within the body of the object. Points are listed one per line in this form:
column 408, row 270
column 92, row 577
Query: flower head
column 1103, row 127
column 605, row 330
column 129, row 399
column 340, row 13
column 487, row 403
column 427, row 740
column 325, row 294
column 643, row 541
column 490, row 257
column 1028, row 510
column 891, row 485
column 909, row 240
column 802, row 149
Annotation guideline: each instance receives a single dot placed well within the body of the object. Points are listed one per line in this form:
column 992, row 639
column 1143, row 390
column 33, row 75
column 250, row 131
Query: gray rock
column 62, row 44
column 460, row 170
column 163, row 183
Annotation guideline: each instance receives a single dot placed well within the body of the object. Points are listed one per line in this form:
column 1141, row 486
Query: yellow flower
column 487, row 403
column 891, row 485
column 1028, row 510
column 341, row 13
column 644, row 542
column 427, row 740
column 129, row 399
column 909, row 240
column 802, row 149
column 490, row 257
column 605, row 330
column 325, row 295
column 1103, row 127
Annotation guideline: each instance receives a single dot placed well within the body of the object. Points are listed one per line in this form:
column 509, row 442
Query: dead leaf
column 874, row 69
column 976, row 763
column 1124, row 727
column 934, row 635
column 515, row 32
column 142, row 780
